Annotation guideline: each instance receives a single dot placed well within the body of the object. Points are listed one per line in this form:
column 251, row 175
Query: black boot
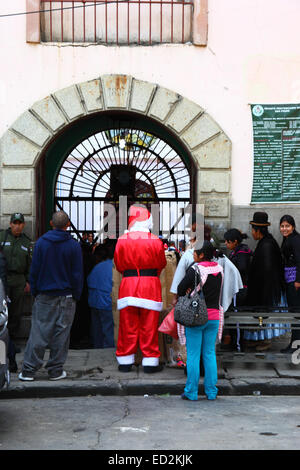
column 153, row 369
column 125, row 367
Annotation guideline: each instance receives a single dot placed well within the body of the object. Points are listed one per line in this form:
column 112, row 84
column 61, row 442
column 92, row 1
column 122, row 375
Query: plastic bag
column 169, row 325
column 175, row 353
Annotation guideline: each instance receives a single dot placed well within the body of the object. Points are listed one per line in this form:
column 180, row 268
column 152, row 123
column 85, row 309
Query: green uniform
column 18, row 252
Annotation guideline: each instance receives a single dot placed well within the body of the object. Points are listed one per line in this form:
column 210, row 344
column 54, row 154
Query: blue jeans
column 102, row 328
column 203, row 337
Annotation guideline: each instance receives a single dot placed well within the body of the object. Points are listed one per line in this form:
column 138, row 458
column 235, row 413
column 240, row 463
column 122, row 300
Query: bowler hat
column 17, row 216
column 260, row 219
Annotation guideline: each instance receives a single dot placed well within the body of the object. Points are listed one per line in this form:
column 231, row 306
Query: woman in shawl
column 265, row 282
column 290, row 249
column 240, row 255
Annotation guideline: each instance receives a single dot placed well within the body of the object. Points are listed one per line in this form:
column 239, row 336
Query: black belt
column 139, row 272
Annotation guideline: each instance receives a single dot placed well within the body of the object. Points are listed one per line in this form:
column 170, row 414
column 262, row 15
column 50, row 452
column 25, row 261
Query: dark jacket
column 241, row 258
column 211, row 288
column 17, row 251
column 290, row 250
column 265, row 282
column 3, row 271
column 56, row 267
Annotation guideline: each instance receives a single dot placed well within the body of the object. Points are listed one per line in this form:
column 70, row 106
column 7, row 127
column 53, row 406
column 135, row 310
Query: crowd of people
column 270, row 279
column 270, row 275
column 96, row 295
column 58, row 267
column 72, row 281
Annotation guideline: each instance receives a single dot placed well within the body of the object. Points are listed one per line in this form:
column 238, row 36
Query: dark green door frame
column 60, row 147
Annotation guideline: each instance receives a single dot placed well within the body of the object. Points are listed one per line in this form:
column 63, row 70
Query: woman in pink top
column 203, row 337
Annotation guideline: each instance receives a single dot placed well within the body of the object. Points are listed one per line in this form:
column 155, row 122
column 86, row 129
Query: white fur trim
column 126, row 360
column 142, row 225
column 142, row 303
column 150, row 361
column 136, row 228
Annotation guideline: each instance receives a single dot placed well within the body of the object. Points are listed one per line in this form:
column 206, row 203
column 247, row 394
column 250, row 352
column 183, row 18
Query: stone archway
column 27, row 139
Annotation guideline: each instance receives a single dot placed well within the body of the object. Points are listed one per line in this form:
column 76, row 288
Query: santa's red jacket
column 140, row 250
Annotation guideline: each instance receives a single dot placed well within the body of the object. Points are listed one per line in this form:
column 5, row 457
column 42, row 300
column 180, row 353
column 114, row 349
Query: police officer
column 16, row 247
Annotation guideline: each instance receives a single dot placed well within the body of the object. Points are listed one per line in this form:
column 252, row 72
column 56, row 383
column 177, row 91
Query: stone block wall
column 25, row 141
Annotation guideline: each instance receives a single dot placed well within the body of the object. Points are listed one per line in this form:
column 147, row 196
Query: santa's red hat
column 139, row 216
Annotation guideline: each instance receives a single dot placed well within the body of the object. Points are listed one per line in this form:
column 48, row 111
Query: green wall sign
column 276, row 143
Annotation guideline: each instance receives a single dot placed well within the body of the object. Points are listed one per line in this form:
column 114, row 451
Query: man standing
column 140, row 257
column 56, row 279
column 16, row 248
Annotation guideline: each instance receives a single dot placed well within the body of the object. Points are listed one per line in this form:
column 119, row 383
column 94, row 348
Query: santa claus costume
column 140, row 257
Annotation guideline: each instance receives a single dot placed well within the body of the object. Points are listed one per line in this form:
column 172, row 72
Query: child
column 99, row 297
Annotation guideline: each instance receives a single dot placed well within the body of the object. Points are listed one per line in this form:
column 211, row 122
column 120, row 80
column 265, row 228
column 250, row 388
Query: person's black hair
column 289, row 219
column 101, row 253
column 207, row 249
column 110, row 245
column 263, row 230
column 234, row 234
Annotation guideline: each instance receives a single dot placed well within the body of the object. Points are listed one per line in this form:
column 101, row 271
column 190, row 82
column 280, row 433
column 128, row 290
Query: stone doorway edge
column 25, row 141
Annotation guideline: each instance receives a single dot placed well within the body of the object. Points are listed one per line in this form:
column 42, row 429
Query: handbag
column 191, row 309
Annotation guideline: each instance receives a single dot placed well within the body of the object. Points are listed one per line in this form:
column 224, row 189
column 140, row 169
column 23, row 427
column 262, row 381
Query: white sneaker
column 63, row 375
column 25, row 378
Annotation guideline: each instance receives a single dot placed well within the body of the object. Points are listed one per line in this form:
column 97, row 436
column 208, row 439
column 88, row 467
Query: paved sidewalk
column 95, row 372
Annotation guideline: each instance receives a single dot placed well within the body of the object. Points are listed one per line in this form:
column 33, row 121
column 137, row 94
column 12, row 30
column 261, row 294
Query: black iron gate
column 124, row 160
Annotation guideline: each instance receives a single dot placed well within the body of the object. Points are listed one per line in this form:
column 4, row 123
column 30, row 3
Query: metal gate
column 123, row 160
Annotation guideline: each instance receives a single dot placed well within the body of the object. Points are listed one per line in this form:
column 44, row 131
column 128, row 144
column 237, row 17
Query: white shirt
column 232, row 279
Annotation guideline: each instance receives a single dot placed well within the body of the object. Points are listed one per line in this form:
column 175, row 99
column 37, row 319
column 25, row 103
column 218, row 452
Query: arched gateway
column 94, row 141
